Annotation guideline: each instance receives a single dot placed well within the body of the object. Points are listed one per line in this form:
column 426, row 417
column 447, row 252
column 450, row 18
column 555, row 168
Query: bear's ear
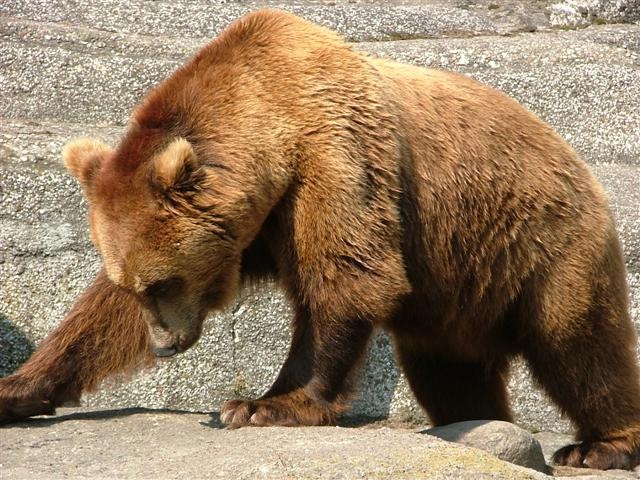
column 174, row 165
column 82, row 158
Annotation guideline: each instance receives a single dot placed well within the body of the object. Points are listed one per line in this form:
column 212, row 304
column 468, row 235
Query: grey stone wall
column 586, row 12
column 70, row 71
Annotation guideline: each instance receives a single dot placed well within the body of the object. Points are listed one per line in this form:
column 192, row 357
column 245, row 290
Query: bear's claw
column 20, row 409
column 239, row 413
column 287, row 410
column 19, row 401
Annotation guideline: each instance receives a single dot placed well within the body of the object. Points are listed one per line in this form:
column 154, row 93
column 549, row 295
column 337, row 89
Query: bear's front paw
column 18, row 401
column 600, row 455
column 288, row 410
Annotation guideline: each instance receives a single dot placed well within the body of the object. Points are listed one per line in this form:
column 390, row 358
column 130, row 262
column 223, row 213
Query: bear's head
column 161, row 230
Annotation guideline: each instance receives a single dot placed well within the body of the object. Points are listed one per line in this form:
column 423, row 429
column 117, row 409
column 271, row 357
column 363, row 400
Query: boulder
column 503, row 439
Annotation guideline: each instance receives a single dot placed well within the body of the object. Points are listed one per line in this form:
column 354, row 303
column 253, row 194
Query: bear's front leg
column 313, row 387
column 337, row 247
column 104, row 333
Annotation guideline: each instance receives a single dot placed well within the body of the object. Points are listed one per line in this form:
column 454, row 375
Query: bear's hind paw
column 599, row 455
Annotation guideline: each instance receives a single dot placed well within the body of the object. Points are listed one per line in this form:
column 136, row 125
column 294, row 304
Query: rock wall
column 72, row 70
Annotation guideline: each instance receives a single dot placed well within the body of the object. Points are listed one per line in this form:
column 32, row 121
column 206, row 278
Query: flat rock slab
column 160, row 444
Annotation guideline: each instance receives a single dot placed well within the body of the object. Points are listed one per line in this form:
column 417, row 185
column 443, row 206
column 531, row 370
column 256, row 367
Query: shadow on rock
column 15, row 346
column 214, row 421
column 41, row 422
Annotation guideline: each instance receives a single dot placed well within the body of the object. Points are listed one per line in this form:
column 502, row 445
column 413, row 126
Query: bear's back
column 497, row 192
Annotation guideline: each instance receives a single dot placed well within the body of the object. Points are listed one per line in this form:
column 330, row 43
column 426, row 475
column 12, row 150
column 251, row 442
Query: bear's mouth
column 164, row 352
column 170, row 349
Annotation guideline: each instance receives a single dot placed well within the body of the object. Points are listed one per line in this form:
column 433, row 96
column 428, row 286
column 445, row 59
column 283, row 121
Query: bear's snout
column 167, row 343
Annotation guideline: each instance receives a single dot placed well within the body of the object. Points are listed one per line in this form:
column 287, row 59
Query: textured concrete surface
column 71, row 69
column 357, row 20
column 584, row 12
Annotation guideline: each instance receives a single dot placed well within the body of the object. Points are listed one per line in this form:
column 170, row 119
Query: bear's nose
column 164, row 351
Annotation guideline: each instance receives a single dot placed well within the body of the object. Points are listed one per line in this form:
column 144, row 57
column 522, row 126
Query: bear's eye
column 164, row 288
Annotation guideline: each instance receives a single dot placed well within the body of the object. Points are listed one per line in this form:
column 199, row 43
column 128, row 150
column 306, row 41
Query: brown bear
column 378, row 195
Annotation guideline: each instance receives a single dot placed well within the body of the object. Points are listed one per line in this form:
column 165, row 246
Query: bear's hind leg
column 103, row 334
column 580, row 345
column 452, row 390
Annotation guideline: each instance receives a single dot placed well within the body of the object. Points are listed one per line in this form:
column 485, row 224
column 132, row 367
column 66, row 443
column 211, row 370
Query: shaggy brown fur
column 105, row 333
column 379, row 195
